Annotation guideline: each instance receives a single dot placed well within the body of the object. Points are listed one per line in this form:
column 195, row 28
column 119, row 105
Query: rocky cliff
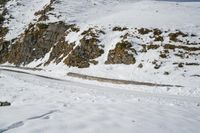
column 80, row 46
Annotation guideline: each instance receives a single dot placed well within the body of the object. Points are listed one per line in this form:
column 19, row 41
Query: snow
column 106, row 13
column 21, row 14
column 46, row 105
column 177, row 76
column 74, row 105
column 131, row 13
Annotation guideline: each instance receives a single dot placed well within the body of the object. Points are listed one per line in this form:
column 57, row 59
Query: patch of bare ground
column 186, row 48
column 117, row 81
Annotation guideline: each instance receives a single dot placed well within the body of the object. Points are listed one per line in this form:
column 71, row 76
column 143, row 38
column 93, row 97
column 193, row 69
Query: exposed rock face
column 40, row 39
column 59, row 51
column 43, row 13
column 3, row 31
column 54, row 41
column 87, row 51
column 122, row 54
column 35, row 43
column 3, row 51
column 144, row 31
column 173, row 36
column 117, row 28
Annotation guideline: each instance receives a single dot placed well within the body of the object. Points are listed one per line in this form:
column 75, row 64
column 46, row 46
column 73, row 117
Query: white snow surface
column 21, row 14
column 46, row 105
column 132, row 13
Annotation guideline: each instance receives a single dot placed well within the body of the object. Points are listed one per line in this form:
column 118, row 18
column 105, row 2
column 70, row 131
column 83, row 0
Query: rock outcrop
column 34, row 44
column 122, row 54
column 85, row 53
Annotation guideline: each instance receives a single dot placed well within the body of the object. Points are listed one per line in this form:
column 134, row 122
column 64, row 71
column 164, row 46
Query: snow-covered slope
column 151, row 41
column 172, row 59
column 47, row 105
column 131, row 13
column 106, row 13
column 21, row 14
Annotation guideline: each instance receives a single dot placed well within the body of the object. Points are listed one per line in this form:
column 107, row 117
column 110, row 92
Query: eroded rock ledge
column 48, row 40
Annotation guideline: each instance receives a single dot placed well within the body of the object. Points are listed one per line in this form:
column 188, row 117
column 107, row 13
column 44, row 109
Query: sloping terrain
column 152, row 41
column 152, row 45
column 41, row 104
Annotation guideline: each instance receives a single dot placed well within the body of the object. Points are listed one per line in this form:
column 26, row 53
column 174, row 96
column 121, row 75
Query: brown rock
column 121, row 54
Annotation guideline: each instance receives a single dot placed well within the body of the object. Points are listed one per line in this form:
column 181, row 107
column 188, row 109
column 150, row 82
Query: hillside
column 99, row 66
column 133, row 40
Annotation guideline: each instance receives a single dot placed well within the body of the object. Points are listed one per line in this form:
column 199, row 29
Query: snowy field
column 46, row 105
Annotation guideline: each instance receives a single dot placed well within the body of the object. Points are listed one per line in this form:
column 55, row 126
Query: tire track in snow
column 172, row 97
column 21, row 123
column 99, row 79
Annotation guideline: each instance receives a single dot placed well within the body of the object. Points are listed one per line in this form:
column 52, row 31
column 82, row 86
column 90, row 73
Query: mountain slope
column 154, row 45
column 154, row 41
